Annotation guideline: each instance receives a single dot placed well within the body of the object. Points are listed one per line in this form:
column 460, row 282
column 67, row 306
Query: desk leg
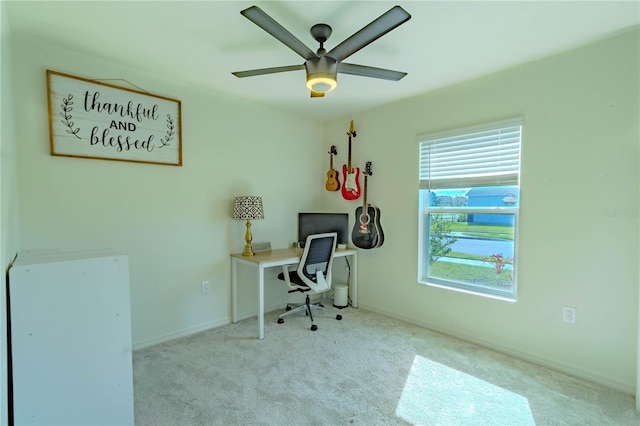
column 353, row 290
column 260, row 303
column 234, row 290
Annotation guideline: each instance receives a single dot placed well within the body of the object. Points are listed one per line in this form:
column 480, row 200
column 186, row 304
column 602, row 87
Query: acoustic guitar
column 367, row 231
column 333, row 184
column 350, row 175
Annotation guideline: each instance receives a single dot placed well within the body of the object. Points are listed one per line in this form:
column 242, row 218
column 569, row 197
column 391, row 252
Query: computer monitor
column 319, row 223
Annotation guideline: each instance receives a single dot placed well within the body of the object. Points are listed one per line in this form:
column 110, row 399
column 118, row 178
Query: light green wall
column 9, row 209
column 174, row 223
column 579, row 162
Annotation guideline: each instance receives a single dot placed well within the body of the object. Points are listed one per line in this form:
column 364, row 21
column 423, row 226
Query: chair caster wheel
column 280, row 320
column 314, row 327
column 288, row 308
column 338, row 317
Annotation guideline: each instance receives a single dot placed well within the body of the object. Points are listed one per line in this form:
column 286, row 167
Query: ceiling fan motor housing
column 322, row 74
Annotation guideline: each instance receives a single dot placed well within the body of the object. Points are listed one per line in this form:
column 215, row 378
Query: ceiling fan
column 322, row 67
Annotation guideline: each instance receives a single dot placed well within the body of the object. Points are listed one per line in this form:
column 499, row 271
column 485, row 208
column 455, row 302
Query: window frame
column 425, row 210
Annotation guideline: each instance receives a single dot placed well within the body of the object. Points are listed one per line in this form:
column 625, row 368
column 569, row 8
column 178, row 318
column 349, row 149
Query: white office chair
column 312, row 274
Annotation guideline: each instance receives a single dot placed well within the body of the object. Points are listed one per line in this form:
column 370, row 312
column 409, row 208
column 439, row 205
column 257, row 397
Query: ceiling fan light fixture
column 321, row 82
column 322, row 74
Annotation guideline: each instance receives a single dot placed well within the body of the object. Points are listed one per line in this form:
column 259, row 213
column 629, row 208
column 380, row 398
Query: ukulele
column 367, row 232
column 333, row 184
column 350, row 186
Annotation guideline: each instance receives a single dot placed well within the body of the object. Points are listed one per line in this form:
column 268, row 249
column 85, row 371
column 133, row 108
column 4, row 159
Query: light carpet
column 367, row 369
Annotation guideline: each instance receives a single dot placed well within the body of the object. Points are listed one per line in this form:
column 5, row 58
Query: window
column 469, row 204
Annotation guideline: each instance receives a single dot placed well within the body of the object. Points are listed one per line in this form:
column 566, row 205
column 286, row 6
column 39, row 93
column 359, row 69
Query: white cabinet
column 71, row 338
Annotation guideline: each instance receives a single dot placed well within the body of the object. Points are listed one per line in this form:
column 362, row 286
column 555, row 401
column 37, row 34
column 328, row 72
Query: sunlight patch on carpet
column 437, row 394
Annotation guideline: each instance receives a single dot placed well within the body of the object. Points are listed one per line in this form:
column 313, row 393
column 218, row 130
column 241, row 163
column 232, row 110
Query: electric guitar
column 333, row 184
column 350, row 186
column 367, row 232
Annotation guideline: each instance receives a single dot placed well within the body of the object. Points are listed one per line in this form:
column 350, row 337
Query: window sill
column 505, row 298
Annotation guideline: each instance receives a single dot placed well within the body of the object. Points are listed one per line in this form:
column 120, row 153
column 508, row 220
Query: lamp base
column 247, row 238
column 247, row 250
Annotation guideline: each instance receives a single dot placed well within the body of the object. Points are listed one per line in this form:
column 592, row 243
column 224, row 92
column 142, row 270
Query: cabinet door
column 71, row 341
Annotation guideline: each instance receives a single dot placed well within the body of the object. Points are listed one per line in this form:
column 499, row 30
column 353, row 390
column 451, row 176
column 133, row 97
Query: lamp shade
column 248, row 207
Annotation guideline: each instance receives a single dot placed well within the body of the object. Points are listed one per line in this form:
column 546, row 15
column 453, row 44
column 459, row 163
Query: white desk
column 279, row 258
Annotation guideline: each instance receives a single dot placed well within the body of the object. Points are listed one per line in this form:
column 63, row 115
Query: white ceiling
column 202, row 42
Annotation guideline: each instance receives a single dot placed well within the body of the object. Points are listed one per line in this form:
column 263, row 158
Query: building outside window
column 469, row 202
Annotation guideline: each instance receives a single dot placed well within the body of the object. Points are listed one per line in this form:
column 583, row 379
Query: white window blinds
column 480, row 156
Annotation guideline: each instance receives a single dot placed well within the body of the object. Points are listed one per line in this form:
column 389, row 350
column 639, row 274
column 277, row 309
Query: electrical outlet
column 204, row 288
column 569, row 315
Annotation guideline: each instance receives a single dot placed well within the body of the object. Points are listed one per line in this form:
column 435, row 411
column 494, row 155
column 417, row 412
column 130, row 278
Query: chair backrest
column 315, row 264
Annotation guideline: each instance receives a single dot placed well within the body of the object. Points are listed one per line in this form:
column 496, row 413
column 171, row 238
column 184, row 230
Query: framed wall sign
column 90, row 119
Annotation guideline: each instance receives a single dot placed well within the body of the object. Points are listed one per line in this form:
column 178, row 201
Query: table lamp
column 248, row 207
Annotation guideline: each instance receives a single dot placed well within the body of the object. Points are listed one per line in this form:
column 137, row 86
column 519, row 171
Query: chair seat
column 295, row 279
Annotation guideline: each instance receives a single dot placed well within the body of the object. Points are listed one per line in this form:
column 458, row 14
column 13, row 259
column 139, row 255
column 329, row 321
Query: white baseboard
column 180, row 333
column 515, row 352
column 198, row 328
column 267, row 309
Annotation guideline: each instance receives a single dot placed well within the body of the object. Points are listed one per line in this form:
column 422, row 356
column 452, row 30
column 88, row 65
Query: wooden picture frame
column 91, row 119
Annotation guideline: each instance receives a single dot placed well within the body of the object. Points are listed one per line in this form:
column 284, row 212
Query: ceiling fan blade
column 267, row 23
column 315, row 94
column 391, row 19
column 373, row 72
column 262, row 71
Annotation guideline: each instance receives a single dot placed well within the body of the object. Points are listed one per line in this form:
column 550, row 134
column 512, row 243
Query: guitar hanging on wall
column 350, row 175
column 367, row 232
column 333, row 183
